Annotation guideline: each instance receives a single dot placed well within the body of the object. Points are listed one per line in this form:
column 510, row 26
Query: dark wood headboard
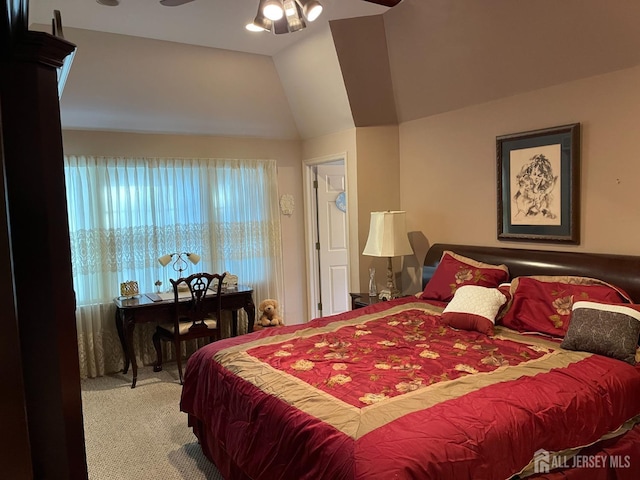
column 620, row 270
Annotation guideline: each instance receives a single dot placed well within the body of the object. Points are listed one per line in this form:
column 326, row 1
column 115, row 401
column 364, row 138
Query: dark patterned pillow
column 606, row 329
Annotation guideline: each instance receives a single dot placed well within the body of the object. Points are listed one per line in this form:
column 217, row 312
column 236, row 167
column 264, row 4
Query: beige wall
column 378, row 189
column 373, row 184
column 448, row 164
column 441, row 170
column 328, row 147
column 287, row 154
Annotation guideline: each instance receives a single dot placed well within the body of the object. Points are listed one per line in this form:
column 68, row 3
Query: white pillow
column 474, row 308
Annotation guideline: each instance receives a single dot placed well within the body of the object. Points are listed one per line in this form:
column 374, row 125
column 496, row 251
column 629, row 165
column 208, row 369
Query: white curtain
column 124, row 213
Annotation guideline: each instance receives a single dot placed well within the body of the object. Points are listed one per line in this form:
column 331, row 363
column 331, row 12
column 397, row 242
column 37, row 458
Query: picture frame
column 539, row 185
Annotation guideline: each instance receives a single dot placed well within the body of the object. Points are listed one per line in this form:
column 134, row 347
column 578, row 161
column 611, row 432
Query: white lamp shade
column 165, row 259
column 388, row 235
column 193, row 257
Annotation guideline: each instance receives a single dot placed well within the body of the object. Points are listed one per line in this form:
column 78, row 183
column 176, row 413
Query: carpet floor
column 140, row 433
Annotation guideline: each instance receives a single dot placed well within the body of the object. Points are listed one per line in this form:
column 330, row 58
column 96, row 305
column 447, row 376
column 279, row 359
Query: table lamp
column 388, row 238
column 180, row 264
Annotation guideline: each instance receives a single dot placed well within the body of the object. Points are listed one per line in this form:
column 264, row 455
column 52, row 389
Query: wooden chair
column 196, row 317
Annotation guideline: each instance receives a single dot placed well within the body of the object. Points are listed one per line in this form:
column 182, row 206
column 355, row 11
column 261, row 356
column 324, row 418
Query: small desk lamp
column 388, row 238
column 180, row 264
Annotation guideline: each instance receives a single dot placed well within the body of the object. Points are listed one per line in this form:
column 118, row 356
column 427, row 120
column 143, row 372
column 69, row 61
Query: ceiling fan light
column 260, row 23
column 311, row 9
column 290, row 8
column 295, row 24
column 281, row 26
column 273, row 10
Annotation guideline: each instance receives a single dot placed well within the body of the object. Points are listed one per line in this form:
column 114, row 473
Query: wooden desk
column 142, row 309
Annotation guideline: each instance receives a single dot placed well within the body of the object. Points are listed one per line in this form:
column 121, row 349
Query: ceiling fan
column 276, row 16
column 176, row 3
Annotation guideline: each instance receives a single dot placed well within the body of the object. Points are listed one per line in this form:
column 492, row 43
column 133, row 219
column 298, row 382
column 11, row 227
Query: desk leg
column 120, row 328
column 250, row 308
column 130, row 325
column 234, row 323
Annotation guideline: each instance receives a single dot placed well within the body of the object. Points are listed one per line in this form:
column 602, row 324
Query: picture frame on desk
column 538, row 175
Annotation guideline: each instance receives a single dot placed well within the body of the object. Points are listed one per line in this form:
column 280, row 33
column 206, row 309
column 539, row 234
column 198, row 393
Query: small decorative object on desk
column 129, row 289
column 158, row 284
column 230, row 280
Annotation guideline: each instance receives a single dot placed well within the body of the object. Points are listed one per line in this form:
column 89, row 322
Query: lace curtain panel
column 124, row 213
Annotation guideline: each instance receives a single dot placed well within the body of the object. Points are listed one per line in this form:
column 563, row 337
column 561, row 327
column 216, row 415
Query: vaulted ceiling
column 420, row 58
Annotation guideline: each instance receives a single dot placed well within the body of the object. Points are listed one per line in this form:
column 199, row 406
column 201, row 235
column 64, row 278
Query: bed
column 511, row 363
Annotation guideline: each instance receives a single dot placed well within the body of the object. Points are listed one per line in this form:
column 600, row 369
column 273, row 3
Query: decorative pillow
column 505, row 289
column 605, row 329
column 474, row 308
column 543, row 303
column 454, row 271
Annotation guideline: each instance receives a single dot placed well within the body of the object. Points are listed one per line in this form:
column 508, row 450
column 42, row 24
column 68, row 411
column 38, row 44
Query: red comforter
column 390, row 392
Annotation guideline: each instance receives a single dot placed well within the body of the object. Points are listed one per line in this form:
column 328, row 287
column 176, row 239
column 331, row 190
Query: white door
column 332, row 239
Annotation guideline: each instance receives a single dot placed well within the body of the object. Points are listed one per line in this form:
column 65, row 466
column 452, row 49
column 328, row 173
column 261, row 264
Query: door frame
column 310, row 228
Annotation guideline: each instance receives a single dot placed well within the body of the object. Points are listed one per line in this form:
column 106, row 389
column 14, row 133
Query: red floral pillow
column 505, row 289
column 543, row 304
column 454, row 271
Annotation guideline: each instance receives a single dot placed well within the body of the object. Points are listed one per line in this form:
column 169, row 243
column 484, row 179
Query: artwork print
column 535, row 186
column 539, row 185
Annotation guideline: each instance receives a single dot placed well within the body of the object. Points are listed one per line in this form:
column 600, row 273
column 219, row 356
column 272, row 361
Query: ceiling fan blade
column 174, row 3
column 386, row 3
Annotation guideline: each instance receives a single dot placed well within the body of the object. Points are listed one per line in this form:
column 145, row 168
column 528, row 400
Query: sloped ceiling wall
column 361, row 46
column 311, row 77
column 442, row 55
column 124, row 83
column 445, row 55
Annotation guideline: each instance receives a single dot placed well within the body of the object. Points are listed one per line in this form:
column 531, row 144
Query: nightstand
column 359, row 300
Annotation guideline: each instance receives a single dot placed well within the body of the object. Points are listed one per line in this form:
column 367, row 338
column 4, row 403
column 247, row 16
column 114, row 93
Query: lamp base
column 391, row 291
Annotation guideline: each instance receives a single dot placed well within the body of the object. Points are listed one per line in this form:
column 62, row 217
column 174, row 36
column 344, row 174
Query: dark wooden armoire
column 41, row 405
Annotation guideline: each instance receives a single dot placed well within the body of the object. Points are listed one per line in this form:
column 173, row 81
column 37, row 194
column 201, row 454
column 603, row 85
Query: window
column 124, row 213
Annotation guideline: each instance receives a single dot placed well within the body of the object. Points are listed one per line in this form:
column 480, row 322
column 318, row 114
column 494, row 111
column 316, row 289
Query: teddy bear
column 268, row 310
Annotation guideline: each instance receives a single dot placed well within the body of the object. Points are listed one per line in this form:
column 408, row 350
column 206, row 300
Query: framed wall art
column 539, row 185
